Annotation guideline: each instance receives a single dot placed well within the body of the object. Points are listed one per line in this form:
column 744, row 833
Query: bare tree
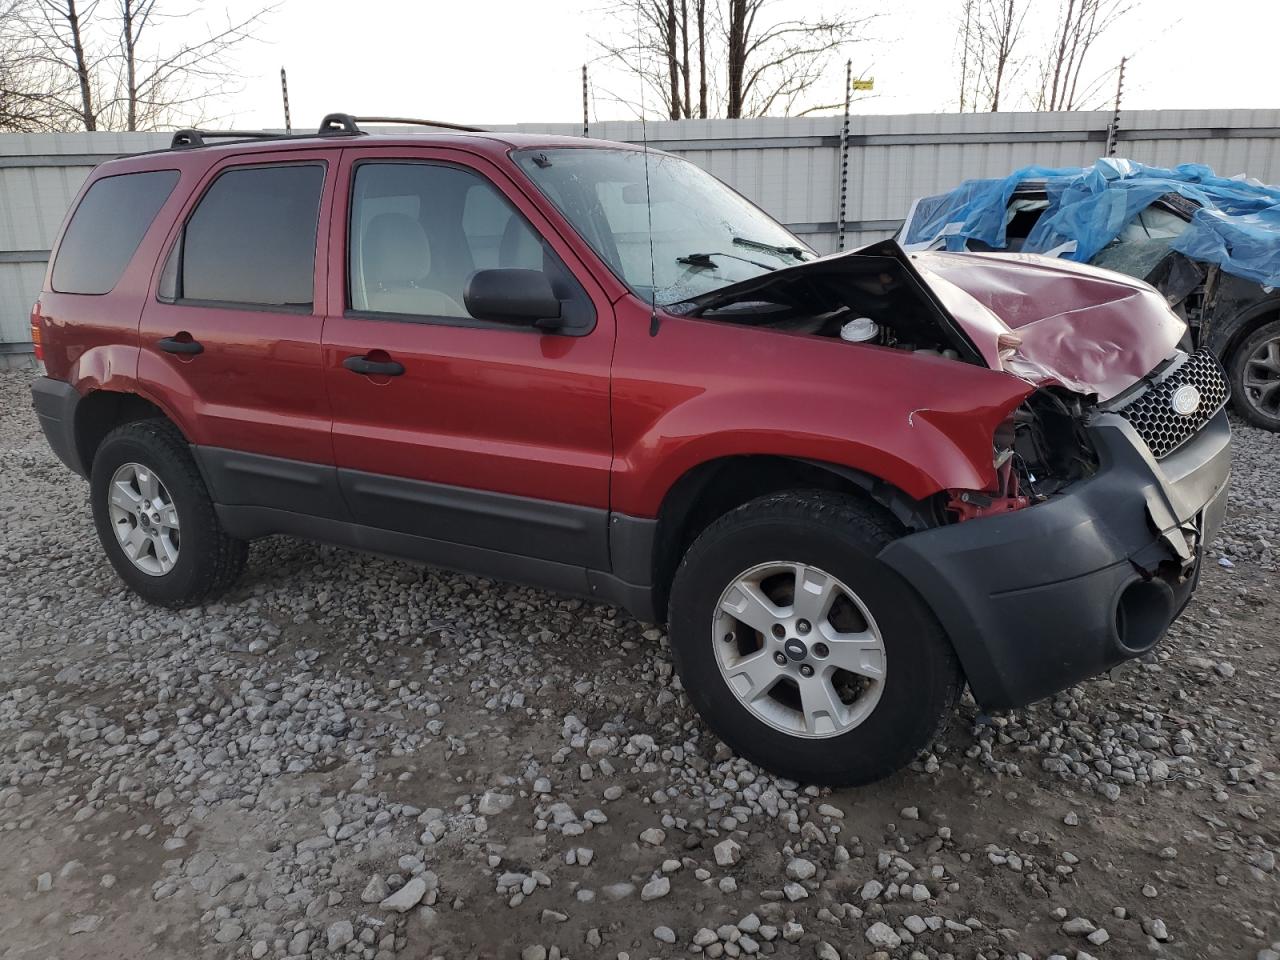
column 30, row 98
column 775, row 60
column 767, row 60
column 103, row 65
column 989, row 47
column 966, row 47
column 66, row 49
column 684, row 59
column 651, row 40
column 162, row 84
column 1079, row 24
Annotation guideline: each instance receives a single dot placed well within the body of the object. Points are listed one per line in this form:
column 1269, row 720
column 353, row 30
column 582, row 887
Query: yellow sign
column 867, row 84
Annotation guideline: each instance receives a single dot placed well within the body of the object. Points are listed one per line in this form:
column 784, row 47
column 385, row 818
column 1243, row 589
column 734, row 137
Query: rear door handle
column 375, row 368
column 174, row 345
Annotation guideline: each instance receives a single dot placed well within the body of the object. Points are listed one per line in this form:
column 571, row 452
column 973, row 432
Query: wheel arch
column 100, row 411
column 709, row 490
column 1226, row 335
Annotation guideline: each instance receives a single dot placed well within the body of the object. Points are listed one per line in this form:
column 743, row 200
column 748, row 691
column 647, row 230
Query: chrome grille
column 1152, row 413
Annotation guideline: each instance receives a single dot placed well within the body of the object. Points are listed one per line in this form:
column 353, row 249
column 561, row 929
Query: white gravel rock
column 881, row 935
column 801, row 869
column 728, row 852
column 339, row 934
column 656, row 889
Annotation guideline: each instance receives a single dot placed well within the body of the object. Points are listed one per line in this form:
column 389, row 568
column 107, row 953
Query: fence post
column 1113, row 129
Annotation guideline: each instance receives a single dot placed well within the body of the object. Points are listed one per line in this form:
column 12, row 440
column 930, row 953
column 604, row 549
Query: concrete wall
column 790, row 166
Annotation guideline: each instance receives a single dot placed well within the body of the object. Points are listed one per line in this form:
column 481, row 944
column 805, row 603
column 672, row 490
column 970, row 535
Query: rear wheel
column 804, row 652
column 156, row 520
column 1255, row 377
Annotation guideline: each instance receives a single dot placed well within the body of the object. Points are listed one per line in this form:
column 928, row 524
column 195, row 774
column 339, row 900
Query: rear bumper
column 1038, row 599
column 55, row 404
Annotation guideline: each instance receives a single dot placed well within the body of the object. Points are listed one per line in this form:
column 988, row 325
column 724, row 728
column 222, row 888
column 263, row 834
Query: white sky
column 502, row 61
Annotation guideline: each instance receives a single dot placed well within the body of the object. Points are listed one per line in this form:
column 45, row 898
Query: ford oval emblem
column 1185, row 400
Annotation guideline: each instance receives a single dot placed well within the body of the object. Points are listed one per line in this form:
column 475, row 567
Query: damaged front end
column 1108, row 476
column 1078, row 337
column 1125, row 494
column 1041, row 449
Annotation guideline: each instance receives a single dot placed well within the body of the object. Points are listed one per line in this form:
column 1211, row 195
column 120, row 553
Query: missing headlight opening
column 1037, row 452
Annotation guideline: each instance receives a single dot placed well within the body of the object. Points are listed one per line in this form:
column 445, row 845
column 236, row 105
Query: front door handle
column 373, row 368
column 182, row 343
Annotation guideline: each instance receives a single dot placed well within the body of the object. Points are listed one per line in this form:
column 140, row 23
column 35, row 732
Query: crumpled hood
column 1046, row 321
column 1090, row 330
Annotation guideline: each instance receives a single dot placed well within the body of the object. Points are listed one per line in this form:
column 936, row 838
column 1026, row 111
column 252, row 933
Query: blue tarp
column 1236, row 227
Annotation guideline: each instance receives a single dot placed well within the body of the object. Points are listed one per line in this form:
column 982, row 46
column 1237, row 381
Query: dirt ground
column 359, row 757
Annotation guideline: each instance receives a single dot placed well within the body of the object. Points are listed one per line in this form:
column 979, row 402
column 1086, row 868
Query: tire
column 189, row 557
column 886, row 722
column 1256, row 360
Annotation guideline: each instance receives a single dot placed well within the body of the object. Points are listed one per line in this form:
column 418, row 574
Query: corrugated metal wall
column 790, row 166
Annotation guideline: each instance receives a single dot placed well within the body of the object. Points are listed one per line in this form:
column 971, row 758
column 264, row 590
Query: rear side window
column 252, row 239
column 107, row 227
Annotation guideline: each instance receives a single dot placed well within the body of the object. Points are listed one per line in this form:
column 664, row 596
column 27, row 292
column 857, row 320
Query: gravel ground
column 358, row 757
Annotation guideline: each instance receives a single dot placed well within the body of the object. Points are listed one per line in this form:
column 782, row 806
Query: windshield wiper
column 704, row 260
column 772, row 248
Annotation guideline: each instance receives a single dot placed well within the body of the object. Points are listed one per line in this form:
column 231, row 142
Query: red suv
column 849, row 484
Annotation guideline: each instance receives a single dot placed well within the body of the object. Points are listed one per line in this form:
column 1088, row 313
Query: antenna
column 844, row 155
column 284, row 90
column 585, row 126
column 648, row 198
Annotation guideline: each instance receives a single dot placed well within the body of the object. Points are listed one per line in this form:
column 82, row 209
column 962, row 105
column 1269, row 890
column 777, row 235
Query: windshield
column 705, row 236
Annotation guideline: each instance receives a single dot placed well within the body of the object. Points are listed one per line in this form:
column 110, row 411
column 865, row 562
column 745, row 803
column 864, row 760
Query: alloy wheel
column 144, row 518
column 799, row 649
column 1262, row 378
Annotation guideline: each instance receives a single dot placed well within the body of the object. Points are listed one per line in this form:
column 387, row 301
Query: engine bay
column 867, row 298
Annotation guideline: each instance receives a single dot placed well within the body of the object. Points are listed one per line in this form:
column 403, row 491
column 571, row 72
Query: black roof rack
column 346, row 123
column 334, row 124
column 201, row 138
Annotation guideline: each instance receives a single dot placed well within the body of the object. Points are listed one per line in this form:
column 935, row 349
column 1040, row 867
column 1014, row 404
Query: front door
column 488, row 436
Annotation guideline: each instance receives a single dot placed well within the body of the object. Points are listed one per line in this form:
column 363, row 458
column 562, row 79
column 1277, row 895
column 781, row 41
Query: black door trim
column 249, row 522
column 254, row 479
column 544, row 529
column 558, row 546
column 520, row 526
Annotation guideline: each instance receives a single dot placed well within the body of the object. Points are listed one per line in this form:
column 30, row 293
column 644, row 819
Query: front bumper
column 1041, row 598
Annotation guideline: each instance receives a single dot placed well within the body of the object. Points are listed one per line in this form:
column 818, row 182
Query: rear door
column 230, row 340
column 490, row 436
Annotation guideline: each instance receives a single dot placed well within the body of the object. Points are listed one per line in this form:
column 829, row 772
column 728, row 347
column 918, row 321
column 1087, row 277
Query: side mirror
column 508, row 295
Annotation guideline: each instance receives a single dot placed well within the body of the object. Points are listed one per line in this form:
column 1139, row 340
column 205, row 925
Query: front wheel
column 801, row 650
column 1255, row 377
column 156, row 520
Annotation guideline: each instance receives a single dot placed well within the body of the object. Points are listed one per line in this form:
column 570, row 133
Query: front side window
column 106, row 229
column 671, row 234
column 418, row 232
column 251, row 240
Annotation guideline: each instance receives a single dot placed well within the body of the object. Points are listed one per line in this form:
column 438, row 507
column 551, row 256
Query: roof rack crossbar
column 350, row 124
column 334, row 124
column 198, row 138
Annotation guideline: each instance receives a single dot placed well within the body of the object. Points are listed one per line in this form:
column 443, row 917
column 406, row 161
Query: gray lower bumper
column 1041, row 598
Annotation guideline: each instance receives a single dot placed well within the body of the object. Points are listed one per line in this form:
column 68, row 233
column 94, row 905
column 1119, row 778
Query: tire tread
column 224, row 557
column 856, row 517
